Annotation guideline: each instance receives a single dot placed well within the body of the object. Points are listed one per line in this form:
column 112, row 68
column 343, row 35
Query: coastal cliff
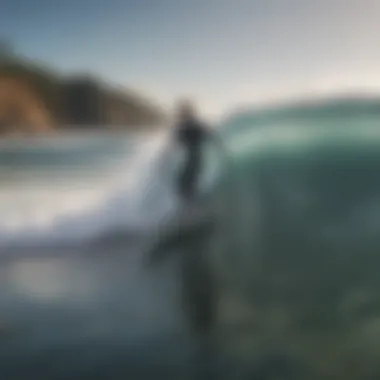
column 34, row 99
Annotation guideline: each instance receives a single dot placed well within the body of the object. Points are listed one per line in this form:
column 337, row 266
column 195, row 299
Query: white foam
column 130, row 189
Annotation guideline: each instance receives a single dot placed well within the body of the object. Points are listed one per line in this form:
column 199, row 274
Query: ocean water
column 294, row 248
column 63, row 190
column 77, row 299
column 305, row 238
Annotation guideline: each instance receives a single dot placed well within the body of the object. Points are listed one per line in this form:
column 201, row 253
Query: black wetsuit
column 192, row 135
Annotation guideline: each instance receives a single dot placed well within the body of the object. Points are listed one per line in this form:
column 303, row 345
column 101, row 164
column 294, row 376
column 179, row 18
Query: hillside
column 36, row 99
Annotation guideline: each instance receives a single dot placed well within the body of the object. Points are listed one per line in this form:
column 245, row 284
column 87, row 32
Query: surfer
column 192, row 134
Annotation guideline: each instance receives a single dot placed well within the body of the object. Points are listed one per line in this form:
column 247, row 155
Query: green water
column 300, row 241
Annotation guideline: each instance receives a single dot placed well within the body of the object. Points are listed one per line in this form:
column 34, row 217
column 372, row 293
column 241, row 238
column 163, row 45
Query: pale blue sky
column 224, row 53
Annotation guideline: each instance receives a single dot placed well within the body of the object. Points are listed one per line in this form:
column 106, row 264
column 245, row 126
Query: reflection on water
column 98, row 314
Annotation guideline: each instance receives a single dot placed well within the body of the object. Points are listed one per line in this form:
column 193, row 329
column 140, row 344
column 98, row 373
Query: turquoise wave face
column 300, row 195
column 298, row 239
